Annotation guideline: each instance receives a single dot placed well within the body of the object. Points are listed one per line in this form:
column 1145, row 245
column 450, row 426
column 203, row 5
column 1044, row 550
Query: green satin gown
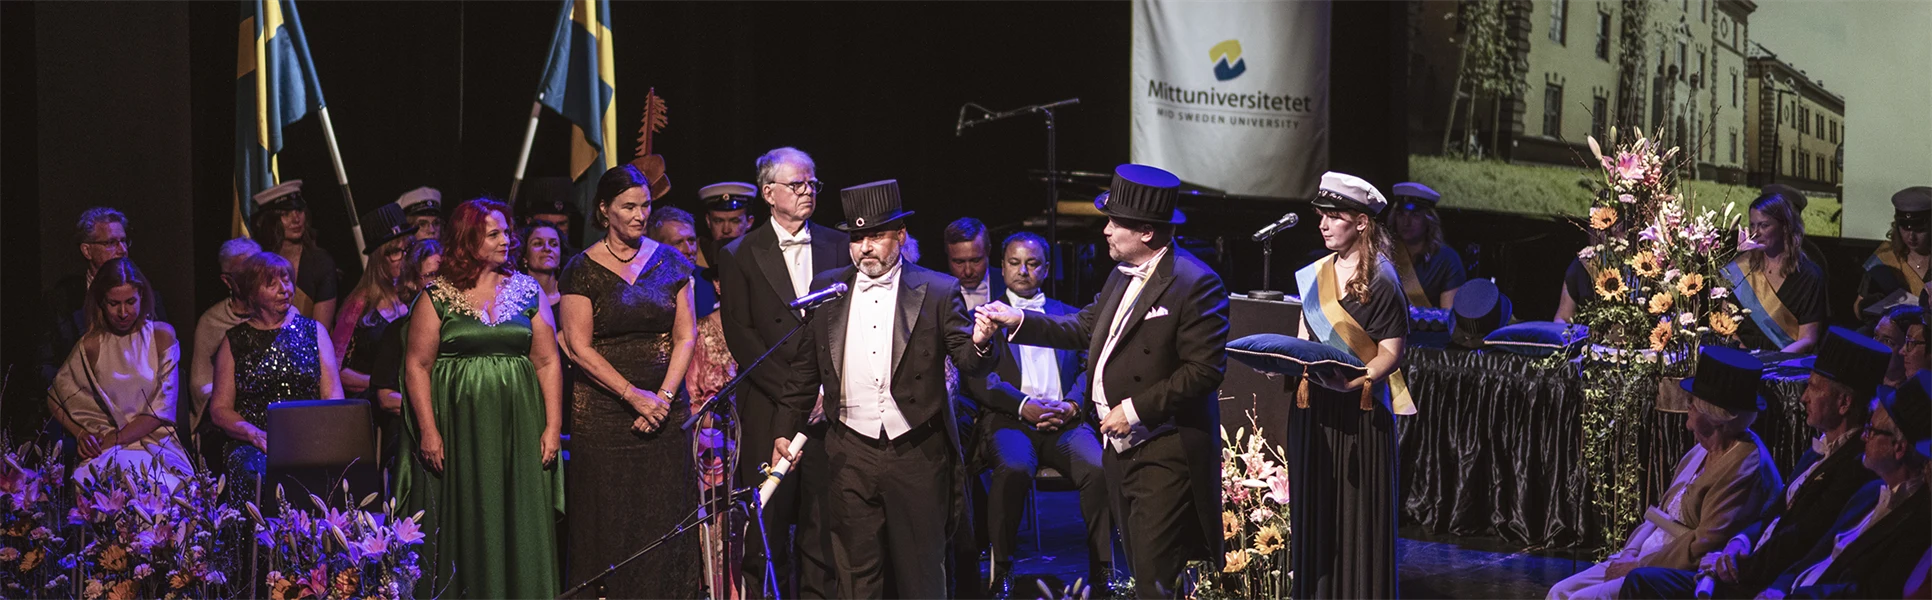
column 490, row 517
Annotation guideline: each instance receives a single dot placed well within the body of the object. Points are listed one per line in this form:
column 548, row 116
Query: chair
column 314, row 445
column 1048, row 479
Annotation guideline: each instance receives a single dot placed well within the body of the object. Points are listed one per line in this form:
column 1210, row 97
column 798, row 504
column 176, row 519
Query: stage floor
column 1431, row 566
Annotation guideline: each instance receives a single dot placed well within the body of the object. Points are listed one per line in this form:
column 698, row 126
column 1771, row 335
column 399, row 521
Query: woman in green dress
column 484, row 385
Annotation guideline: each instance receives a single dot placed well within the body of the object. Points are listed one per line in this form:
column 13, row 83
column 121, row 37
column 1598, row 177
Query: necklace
column 613, row 253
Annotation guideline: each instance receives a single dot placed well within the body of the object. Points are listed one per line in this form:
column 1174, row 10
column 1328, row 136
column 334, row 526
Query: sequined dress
column 270, row 366
column 490, row 514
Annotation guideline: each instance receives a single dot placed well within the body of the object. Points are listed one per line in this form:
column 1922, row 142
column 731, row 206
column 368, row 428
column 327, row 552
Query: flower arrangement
column 150, row 534
column 1655, row 258
column 1254, row 520
column 33, row 550
column 340, row 552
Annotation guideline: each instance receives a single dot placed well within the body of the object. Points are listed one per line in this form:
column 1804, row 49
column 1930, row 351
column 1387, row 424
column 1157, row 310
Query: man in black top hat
column 759, row 275
column 726, row 216
column 894, row 468
column 1837, row 404
column 1155, row 339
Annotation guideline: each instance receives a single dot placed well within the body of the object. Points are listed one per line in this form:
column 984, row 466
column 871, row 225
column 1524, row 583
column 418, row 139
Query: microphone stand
column 690, row 522
column 1053, row 172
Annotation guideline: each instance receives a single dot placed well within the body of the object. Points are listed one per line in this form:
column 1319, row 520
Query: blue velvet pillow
column 1536, row 338
column 1290, row 355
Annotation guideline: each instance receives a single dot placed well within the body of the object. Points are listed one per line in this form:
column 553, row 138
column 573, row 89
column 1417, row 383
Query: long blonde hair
column 1779, row 209
column 378, row 284
column 1371, row 246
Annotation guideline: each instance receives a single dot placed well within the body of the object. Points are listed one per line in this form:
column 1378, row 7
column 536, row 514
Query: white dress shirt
column 1039, row 367
column 797, row 250
column 1884, row 507
column 980, row 293
column 1136, row 433
column 867, row 377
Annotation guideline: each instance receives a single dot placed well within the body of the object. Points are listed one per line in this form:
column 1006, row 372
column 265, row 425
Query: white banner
column 1233, row 95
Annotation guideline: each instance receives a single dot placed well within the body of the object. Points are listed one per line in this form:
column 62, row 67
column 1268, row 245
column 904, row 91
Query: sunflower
column 1723, row 324
column 1230, row 525
column 114, row 558
column 1690, row 285
column 1610, row 284
column 1602, row 217
column 1660, row 303
column 1661, row 335
column 1237, row 561
column 1269, row 540
column 1646, row 264
column 124, row 590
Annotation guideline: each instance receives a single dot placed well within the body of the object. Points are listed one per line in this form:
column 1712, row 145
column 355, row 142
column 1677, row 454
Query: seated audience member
column 1899, row 268
column 967, row 254
column 1884, row 530
column 1903, row 330
column 421, row 264
column 1837, row 405
column 424, row 207
column 1430, row 270
column 1720, row 486
column 374, row 304
column 726, row 216
column 1784, row 290
column 281, row 226
column 116, row 392
column 541, row 256
column 213, row 327
column 276, row 355
column 1032, row 417
column 102, row 234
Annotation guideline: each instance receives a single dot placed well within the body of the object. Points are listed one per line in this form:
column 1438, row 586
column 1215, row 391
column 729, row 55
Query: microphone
column 778, row 471
column 1287, row 221
column 820, row 297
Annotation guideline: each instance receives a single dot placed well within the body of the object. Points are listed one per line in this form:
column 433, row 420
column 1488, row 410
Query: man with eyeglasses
column 1903, row 330
column 102, row 235
column 1837, row 402
column 424, row 208
column 760, row 274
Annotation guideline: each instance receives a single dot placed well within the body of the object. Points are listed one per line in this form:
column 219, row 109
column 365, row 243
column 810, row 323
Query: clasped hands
column 1047, row 414
column 650, row 408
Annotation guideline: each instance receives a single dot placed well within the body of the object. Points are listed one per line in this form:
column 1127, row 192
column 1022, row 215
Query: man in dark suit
column 1155, row 340
column 760, row 274
column 967, row 256
column 1838, row 404
column 879, row 355
column 1032, row 417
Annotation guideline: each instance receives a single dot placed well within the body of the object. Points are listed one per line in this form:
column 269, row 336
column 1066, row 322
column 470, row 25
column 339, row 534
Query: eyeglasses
column 799, row 188
column 1872, row 431
column 109, row 243
column 393, row 252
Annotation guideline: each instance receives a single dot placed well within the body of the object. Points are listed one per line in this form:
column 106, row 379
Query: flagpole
column 529, row 137
column 342, row 178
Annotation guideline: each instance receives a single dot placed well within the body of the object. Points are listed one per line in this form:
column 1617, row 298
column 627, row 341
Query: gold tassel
column 1367, row 403
column 1301, row 391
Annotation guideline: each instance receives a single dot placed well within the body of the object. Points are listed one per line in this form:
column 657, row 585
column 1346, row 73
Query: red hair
column 463, row 241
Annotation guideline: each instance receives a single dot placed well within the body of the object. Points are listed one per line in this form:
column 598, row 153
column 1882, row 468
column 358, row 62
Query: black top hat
column 871, row 205
column 386, row 223
column 1911, row 410
column 1142, row 193
column 1480, row 309
column 1854, row 360
column 1727, row 378
column 543, row 196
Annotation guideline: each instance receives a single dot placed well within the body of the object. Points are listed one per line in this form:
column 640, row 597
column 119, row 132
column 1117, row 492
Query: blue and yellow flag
column 275, row 85
column 580, row 80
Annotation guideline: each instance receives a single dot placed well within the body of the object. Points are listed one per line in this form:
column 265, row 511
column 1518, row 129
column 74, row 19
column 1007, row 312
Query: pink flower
column 408, row 532
column 1630, row 167
column 1587, row 253
column 1278, row 490
column 1261, row 514
column 1626, row 198
column 1652, row 234
column 1719, row 292
column 370, row 546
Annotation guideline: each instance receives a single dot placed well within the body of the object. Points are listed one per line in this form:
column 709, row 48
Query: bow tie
column 804, row 237
column 1036, row 303
column 1140, row 272
column 884, row 281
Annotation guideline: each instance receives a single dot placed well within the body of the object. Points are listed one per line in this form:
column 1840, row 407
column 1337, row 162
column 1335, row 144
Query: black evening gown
column 1342, row 472
column 625, row 489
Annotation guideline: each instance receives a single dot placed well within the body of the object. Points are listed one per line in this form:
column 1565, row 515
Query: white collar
column 889, row 280
column 804, row 233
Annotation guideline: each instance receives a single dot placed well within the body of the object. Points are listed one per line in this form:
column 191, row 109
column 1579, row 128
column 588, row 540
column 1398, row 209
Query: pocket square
column 1157, row 312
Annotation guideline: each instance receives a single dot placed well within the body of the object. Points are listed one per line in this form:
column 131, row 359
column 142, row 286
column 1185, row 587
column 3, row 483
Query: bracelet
column 664, row 394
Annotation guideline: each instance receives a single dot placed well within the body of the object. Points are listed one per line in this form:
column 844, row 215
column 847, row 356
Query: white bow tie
column 884, row 281
column 804, row 237
column 1036, row 303
column 1140, row 272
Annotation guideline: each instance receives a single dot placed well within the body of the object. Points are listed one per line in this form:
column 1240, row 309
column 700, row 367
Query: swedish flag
column 580, row 80
column 275, row 85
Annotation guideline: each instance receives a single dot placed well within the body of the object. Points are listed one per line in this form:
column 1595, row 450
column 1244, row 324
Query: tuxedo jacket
column 1876, row 564
column 1809, row 515
column 930, row 326
column 1170, row 366
column 756, row 288
column 1000, row 392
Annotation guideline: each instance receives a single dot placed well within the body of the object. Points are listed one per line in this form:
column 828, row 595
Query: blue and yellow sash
column 1885, row 255
column 1321, row 307
column 1754, row 292
column 1411, row 285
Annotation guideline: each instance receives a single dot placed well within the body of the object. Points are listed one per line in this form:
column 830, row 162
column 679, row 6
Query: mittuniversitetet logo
column 1228, row 63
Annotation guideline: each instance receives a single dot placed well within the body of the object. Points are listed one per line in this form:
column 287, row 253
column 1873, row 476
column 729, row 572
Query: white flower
column 1587, row 253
